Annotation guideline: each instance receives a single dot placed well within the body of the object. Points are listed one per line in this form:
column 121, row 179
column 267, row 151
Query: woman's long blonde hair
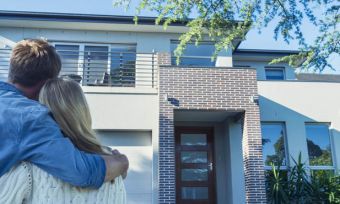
column 67, row 102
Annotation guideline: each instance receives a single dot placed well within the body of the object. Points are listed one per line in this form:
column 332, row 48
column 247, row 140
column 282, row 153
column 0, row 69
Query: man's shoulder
column 17, row 105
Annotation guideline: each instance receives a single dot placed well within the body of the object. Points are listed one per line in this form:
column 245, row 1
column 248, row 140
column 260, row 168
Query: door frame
column 209, row 130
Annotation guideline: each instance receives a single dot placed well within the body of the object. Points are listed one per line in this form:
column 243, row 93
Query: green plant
column 295, row 186
column 277, row 184
column 325, row 187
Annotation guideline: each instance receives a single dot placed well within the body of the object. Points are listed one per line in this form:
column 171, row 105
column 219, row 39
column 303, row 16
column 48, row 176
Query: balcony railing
column 96, row 68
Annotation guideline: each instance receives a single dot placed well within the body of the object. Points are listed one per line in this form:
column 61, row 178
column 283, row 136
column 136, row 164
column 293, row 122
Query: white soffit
column 91, row 26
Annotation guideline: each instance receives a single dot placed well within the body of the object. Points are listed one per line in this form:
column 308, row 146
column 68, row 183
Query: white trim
column 321, row 168
column 268, row 168
column 119, row 90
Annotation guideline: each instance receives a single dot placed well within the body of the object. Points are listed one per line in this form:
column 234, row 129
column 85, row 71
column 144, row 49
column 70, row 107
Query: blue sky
column 254, row 40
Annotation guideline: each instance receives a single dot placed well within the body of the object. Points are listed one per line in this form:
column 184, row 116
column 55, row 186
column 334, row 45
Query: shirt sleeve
column 43, row 144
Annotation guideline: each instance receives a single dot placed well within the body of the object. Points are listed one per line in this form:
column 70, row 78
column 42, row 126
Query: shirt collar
column 9, row 87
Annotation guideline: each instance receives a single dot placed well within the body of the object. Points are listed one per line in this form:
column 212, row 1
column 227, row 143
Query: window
column 194, row 55
column 96, row 64
column 274, row 73
column 123, row 64
column 319, row 146
column 99, row 64
column 274, row 149
column 273, row 144
column 69, row 56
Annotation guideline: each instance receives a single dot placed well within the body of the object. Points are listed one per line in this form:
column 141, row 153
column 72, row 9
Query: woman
column 67, row 103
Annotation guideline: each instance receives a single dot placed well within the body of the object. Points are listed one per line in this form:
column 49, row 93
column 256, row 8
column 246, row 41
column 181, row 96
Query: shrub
column 295, row 186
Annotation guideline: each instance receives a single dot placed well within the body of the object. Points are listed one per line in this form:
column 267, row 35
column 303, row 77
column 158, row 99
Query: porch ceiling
column 202, row 115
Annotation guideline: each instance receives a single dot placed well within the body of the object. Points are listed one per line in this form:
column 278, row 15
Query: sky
column 255, row 40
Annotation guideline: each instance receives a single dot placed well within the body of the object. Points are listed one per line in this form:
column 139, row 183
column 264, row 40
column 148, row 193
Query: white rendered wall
column 298, row 102
column 236, row 166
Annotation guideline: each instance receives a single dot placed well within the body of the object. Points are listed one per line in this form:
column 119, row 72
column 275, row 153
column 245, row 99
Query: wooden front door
column 195, row 173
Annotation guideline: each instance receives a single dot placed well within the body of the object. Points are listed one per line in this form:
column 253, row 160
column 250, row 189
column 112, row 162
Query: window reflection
column 195, row 193
column 274, row 73
column 194, row 174
column 194, row 157
column 194, row 55
column 319, row 146
column 69, row 57
column 193, row 139
column 273, row 144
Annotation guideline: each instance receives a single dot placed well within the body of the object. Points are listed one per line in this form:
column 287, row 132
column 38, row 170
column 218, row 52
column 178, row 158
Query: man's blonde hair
column 33, row 61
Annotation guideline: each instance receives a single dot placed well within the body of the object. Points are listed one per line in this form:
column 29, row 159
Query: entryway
column 208, row 156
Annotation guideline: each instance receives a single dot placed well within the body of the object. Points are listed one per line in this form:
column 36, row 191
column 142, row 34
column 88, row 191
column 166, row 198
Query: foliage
column 318, row 156
column 295, row 186
column 279, row 155
column 224, row 21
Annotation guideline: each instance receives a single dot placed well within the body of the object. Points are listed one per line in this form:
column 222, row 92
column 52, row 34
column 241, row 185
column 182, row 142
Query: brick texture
column 209, row 89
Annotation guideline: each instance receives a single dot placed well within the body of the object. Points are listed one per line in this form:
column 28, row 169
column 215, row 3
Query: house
column 199, row 132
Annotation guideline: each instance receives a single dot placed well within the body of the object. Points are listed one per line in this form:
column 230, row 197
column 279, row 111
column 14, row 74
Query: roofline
column 73, row 17
column 266, row 51
column 88, row 18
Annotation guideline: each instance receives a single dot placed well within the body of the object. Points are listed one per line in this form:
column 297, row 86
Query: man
column 29, row 133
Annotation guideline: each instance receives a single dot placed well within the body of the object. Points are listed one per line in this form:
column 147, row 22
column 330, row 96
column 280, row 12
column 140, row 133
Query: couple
column 47, row 147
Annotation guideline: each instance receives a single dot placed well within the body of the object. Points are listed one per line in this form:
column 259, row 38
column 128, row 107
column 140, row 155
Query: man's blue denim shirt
column 29, row 133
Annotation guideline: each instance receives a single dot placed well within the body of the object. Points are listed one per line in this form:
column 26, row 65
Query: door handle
column 210, row 166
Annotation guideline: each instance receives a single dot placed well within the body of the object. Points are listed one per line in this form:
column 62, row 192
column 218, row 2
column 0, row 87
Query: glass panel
column 319, row 146
column 193, row 139
column 195, row 55
column 274, row 74
column 123, row 65
column 273, row 144
column 69, row 55
column 194, row 157
column 195, row 193
column 194, row 174
column 96, row 65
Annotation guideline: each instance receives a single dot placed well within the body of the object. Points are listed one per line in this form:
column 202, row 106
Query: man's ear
column 31, row 92
column 36, row 89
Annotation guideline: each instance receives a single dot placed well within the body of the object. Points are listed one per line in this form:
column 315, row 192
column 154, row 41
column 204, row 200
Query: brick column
column 252, row 157
column 167, row 177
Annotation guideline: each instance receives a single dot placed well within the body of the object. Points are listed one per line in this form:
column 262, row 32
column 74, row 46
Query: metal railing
column 97, row 68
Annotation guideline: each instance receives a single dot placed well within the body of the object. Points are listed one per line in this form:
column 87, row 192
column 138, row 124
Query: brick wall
column 202, row 89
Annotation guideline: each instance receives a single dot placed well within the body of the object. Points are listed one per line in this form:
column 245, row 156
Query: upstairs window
column 194, row 55
column 275, row 73
column 99, row 64
column 319, row 146
column 273, row 144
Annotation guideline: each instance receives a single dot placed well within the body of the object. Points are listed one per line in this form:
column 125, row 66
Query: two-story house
column 199, row 132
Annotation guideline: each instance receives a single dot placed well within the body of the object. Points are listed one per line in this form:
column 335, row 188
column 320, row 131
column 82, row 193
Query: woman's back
column 29, row 184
